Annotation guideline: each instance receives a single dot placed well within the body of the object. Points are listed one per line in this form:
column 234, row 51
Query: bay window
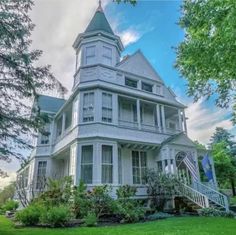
column 87, row 164
column 90, row 55
column 107, row 164
column 106, row 107
column 88, row 107
column 107, row 55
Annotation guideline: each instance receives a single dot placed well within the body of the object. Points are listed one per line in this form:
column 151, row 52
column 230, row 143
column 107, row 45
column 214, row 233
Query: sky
column 150, row 26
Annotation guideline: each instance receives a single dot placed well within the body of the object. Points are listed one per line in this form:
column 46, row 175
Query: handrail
column 213, row 195
column 194, row 195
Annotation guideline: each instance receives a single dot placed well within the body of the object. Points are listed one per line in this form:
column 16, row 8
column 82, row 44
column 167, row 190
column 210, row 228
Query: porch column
column 184, row 120
column 169, row 165
column 73, row 163
column 115, row 164
column 180, row 120
column 138, row 113
column 158, row 117
column 63, row 124
column 163, row 118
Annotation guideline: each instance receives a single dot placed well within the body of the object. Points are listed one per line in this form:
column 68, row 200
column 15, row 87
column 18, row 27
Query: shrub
column 30, row 215
column 211, row 212
column 128, row 209
column 10, row 205
column 90, row 219
column 56, row 216
column 158, row 215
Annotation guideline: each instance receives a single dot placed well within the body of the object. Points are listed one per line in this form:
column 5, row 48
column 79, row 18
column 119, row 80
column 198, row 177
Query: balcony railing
column 128, row 124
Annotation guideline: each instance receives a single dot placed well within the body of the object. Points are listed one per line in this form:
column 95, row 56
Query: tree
column 7, row 193
column 222, row 135
column 133, row 2
column 207, row 56
column 225, row 165
column 21, row 80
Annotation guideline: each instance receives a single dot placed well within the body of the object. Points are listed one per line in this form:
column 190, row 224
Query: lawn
column 171, row 226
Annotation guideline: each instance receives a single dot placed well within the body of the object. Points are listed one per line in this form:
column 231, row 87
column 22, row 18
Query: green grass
column 171, row 226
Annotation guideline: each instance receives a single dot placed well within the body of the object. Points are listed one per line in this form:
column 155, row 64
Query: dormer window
column 131, row 83
column 147, row 87
column 90, row 55
column 107, row 55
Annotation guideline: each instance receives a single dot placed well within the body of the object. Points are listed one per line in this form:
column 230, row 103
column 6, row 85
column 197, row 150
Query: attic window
column 90, row 55
column 146, row 87
column 131, row 83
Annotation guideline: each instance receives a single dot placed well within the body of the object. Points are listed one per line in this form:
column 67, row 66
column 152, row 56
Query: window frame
column 127, row 79
column 140, row 168
column 88, row 57
column 107, row 57
column 147, row 84
column 88, row 107
column 107, row 164
column 41, row 172
column 86, row 164
column 106, row 109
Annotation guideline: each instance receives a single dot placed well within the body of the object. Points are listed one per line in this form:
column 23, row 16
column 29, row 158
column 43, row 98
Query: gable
column 179, row 139
column 139, row 65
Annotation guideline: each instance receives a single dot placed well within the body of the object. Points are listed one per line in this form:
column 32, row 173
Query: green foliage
column 207, row 56
column 30, row 215
column 56, row 216
column 58, row 192
column 161, row 186
column 159, row 215
column 90, row 220
column 7, row 193
column 133, row 2
column 21, row 78
column 127, row 209
column 225, row 164
column 211, row 212
column 10, row 205
column 126, row 191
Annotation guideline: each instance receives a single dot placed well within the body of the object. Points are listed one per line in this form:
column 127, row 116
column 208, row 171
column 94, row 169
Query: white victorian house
column 120, row 119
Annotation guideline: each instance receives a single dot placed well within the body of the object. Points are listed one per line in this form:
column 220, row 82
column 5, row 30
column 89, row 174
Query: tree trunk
column 233, row 186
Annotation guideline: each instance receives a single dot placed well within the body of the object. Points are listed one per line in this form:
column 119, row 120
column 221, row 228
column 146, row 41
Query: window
column 107, row 55
column 106, row 107
column 59, row 127
column 88, row 107
column 44, row 139
column 139, row 162
column 78, row 59
column 87, row 164
column 68, row 117
column 146, row 87
column 131, row 82
column 90, row 55
column 41, row 175
column 158, row 90
column 159, row 166
column 73, row 160
column 107, row 164
column 75, row 112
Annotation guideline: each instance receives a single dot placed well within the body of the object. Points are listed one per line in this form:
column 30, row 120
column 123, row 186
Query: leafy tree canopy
column 21, row 79
column 133, row 2
column 207, row 56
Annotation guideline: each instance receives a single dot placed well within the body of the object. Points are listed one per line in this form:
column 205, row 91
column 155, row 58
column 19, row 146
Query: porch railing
column 213, row 195
column 193, row 195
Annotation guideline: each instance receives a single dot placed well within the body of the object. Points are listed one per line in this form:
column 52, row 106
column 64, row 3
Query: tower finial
column 100, row 6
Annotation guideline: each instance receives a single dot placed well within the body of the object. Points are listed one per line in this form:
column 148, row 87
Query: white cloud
column 129, row 36
column 202, row 121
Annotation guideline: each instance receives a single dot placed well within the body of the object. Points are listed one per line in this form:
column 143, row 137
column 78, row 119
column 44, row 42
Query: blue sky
column 150, row 26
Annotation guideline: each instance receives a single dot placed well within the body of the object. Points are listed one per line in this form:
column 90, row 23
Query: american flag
column 189, row 162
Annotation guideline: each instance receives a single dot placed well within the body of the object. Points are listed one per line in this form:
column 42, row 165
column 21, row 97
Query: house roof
column 99, row 23
column 49, row 103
